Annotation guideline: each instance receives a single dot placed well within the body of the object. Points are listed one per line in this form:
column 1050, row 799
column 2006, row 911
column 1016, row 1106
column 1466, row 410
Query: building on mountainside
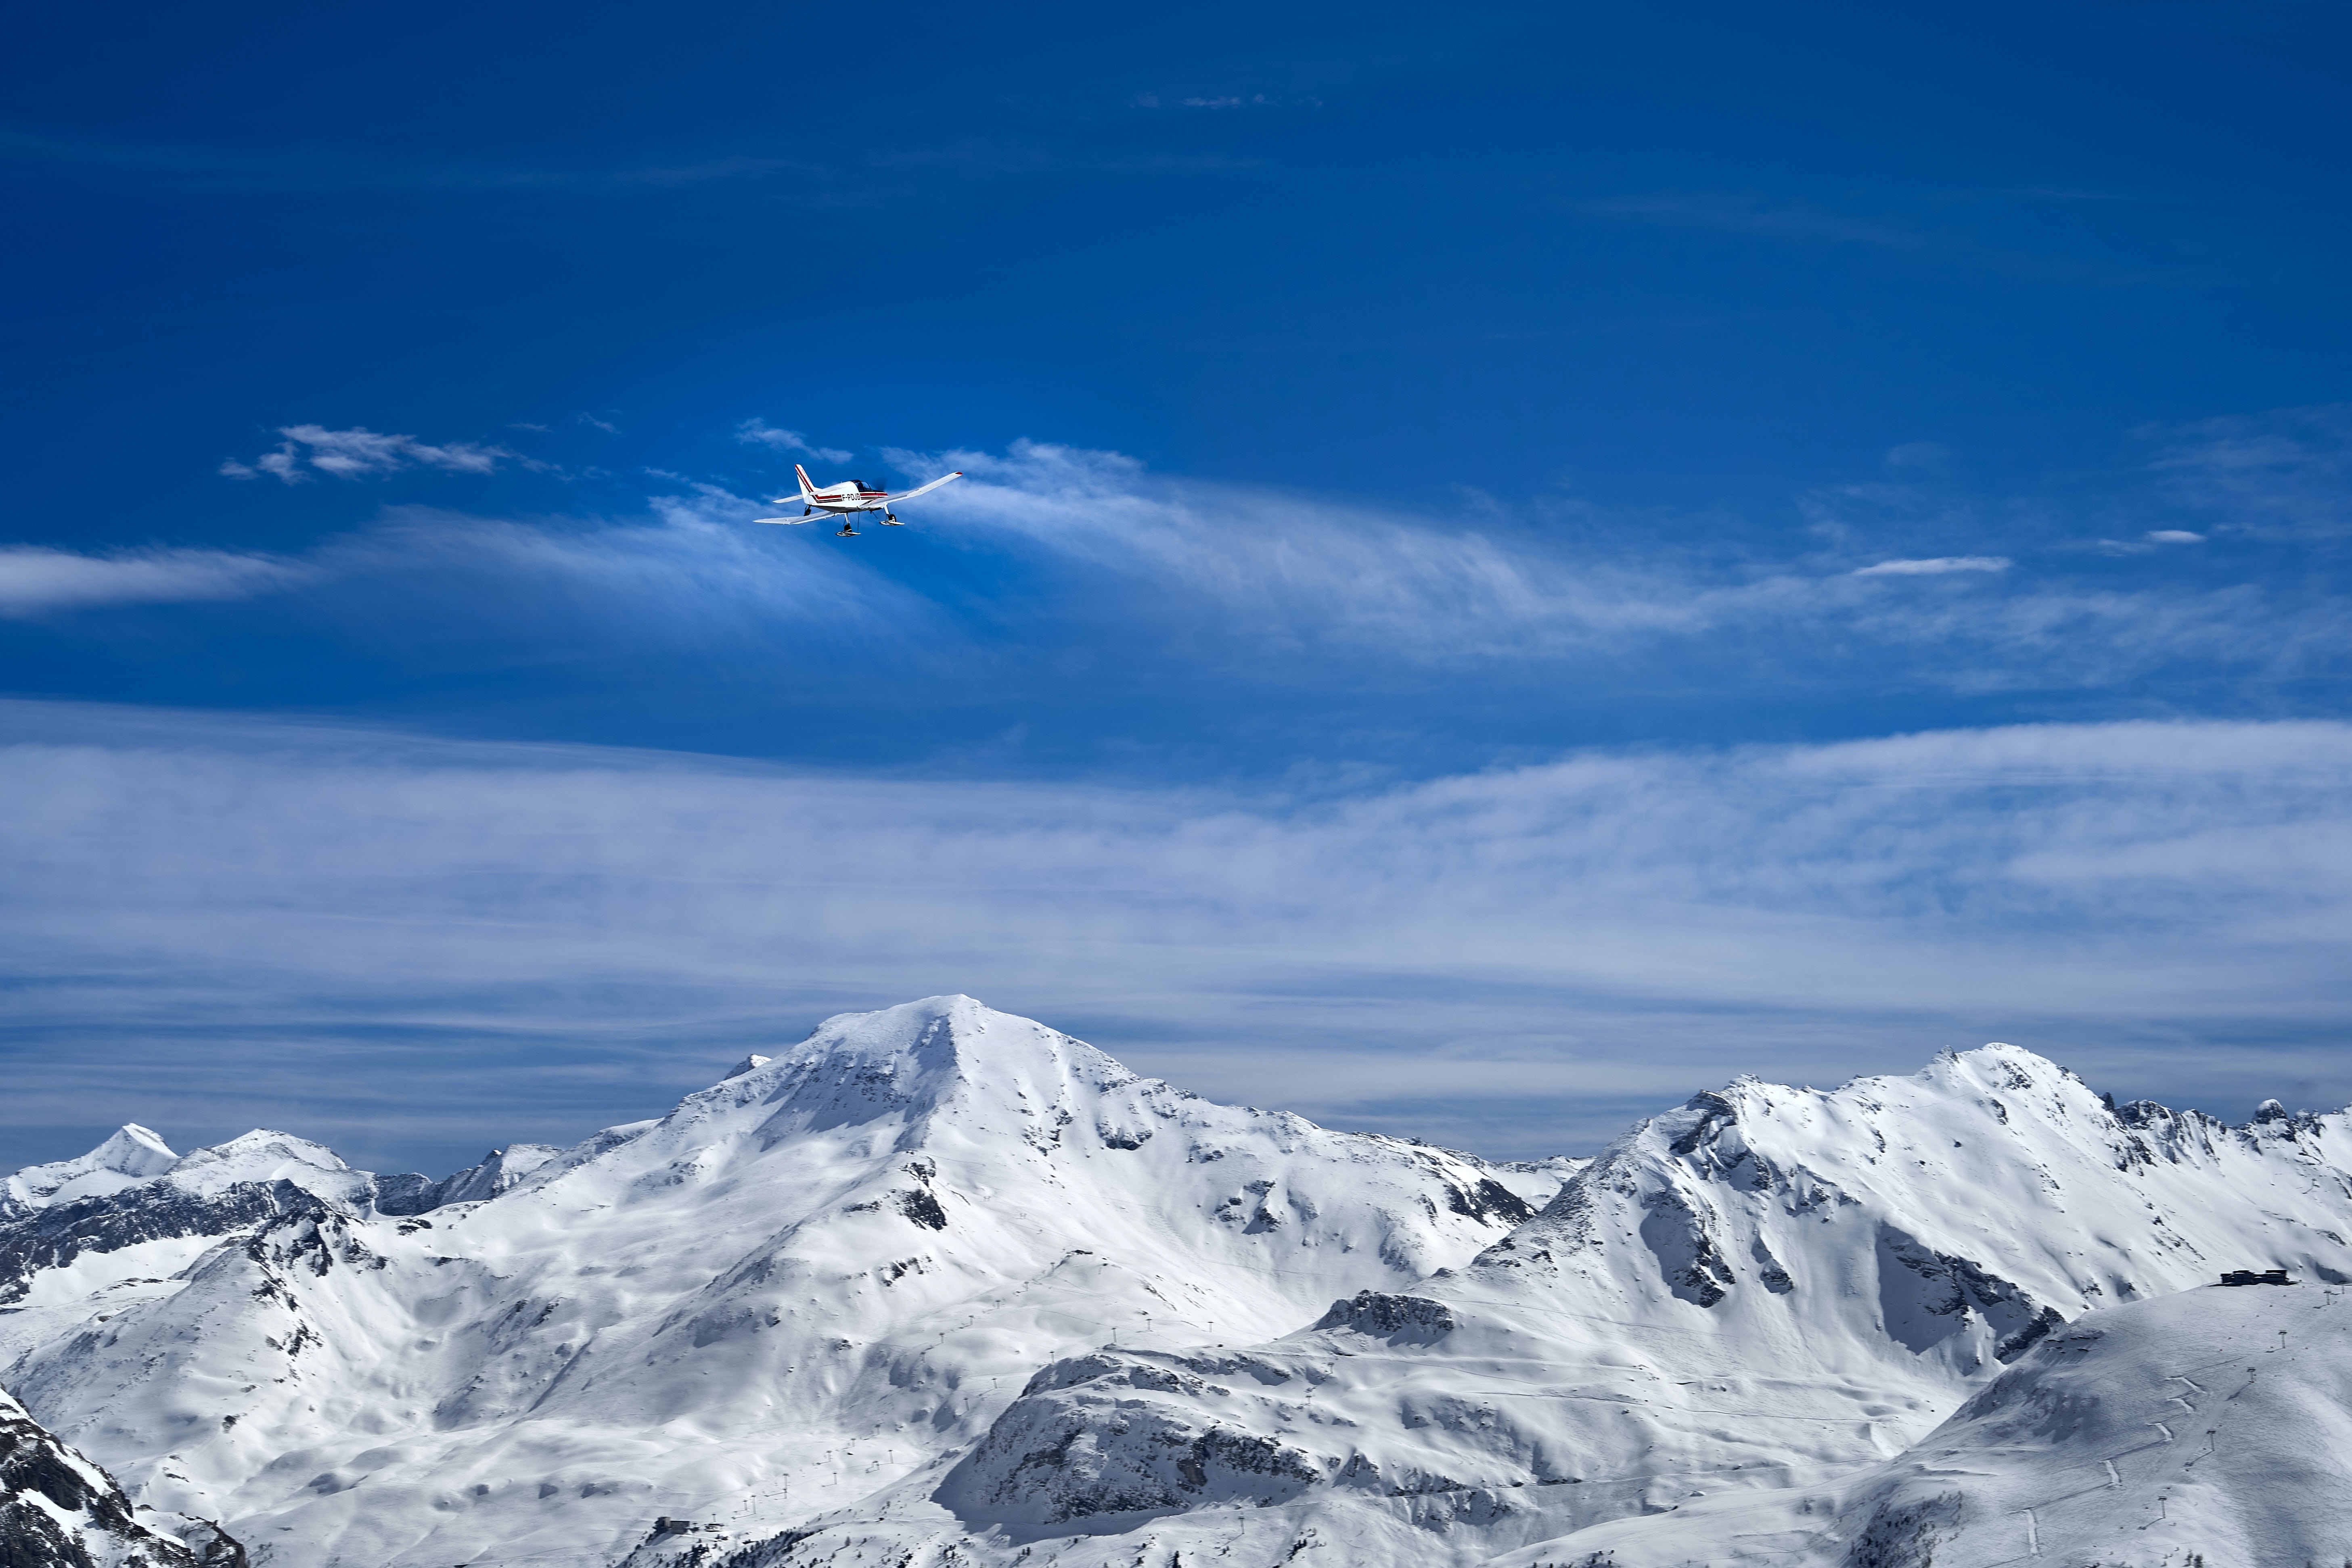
column 2248, row 1276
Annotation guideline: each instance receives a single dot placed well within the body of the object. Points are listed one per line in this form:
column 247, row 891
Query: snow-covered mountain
column 1768, row 1288
column 808, row 1288
column 2209, row 1426
column 132, row 1207
column 940, row 1285
column 129, row 1157
column 60, row 1510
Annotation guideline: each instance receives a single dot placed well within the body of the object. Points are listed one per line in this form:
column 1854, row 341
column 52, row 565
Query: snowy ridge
column 259, row 1158
column 131, row 1209
column 500, row 1170
column 938, row 1285
column 130, row 1206
column 806, row 1289
column 1768, row 1287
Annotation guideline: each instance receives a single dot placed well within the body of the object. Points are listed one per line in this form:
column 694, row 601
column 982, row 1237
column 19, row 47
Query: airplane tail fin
column 808, row 491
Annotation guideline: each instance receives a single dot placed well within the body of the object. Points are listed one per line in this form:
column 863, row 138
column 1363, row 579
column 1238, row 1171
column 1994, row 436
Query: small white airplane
column 850, row 495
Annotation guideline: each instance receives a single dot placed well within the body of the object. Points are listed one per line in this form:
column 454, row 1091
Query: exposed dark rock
column 1491, row 1202
column 1928, row 1296
column 1679, row 1231
column 2016, row 1345
column 1713, row 1110
column 923, row 1208
column 98, row 1528
column 36, row 1239
column 1377, row 1312
column 1904, row 1536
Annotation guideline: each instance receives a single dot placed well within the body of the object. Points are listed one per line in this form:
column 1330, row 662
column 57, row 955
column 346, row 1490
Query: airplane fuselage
column 848, row 495
column 851, row 496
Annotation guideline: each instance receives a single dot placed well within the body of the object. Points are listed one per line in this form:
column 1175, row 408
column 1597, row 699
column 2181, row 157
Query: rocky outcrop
column 1059, row 1463
column 1386, row 1316
column 60, row 1510
column 32, row 1239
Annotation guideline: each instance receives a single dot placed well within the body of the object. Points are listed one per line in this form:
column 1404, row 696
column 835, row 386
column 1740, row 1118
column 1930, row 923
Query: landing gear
column 847, row 532
column 891, row 520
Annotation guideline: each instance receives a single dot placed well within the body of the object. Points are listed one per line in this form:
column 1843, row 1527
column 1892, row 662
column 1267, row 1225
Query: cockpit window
column 865, row 485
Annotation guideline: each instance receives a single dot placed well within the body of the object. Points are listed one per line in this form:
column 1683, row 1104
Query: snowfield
column 2214, row 1424
column 939, row 1285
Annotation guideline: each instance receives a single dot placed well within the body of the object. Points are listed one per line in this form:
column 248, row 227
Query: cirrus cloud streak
column 33, row 579
column 362, row 453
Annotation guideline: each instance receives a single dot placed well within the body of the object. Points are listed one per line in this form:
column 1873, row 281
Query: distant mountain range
column 943, row 1286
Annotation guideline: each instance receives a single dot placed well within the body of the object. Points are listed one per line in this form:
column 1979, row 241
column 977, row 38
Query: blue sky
column 1517, row 560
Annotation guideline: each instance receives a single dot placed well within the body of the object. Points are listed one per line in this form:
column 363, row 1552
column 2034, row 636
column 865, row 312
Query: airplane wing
column 786, row 521
column 910, row 495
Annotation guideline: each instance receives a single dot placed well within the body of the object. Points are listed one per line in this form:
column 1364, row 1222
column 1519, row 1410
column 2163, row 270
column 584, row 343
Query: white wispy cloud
column 1611, row 924
column 1293, row 575
column 688, row 575
column 1211, row 574
column 1228, row 100
column 33, row 579
column 1935, row 566
column 2151, row 540
column 2286, row 474
column 760, row 433
column 360, row 454
column 691, row 576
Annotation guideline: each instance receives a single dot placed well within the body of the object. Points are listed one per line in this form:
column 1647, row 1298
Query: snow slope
column 2213, row 1424
column 1768, row 1288
column 806, row 1291
column 60, row 1510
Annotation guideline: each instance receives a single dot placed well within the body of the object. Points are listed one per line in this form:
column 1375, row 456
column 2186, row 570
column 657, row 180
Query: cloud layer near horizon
column 574, row 935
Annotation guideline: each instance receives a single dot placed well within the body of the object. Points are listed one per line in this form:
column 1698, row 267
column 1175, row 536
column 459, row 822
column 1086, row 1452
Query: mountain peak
column 928, row 1048
column 933, row 1024
column 134, row 1150
column 130, row 1155
column 263, row 1156
column 913, row 1063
